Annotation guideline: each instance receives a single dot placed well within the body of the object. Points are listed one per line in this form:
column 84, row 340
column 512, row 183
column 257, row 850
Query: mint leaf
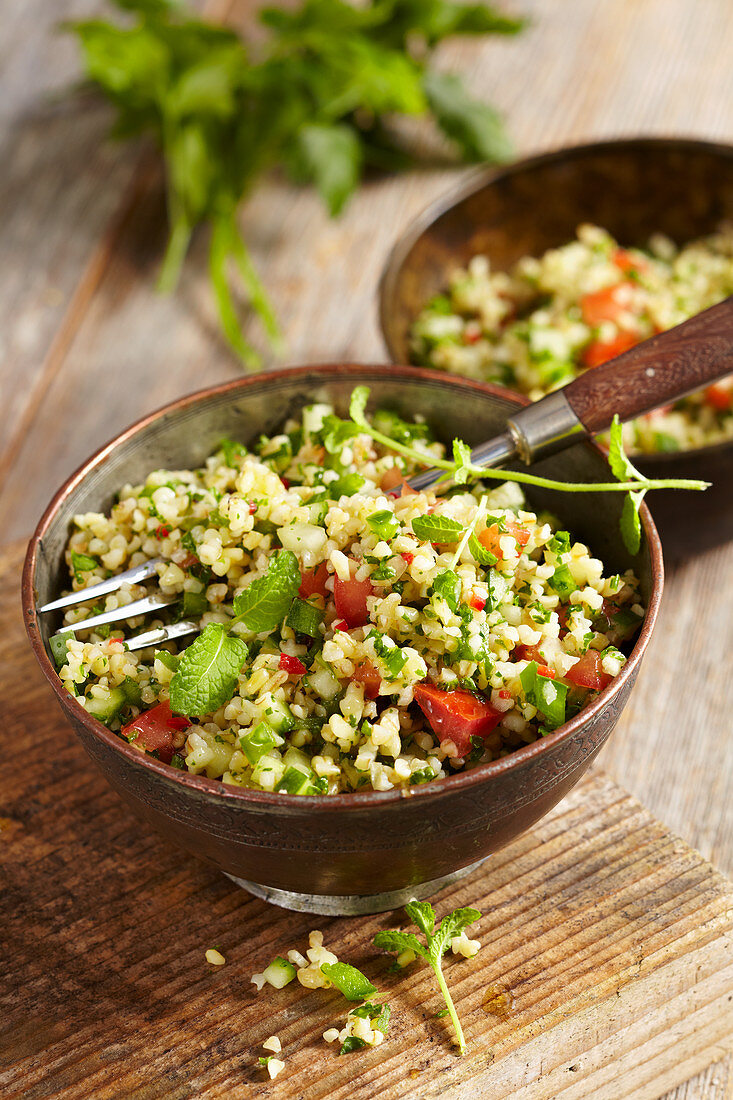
column 335, row 432
column 265, row 603
column 451, row 926
column 440, row 529
column 422, row 914
column 354, row 985
column 618, row 460
column 479, row 553
column 207, row 673
column 399, row 941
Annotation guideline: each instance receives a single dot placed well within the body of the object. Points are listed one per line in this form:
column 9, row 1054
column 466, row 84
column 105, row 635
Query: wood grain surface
column 606, row 968
column 86, row 346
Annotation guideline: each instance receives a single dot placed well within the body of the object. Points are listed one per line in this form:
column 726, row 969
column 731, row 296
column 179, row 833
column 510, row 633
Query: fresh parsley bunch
column 312, row 100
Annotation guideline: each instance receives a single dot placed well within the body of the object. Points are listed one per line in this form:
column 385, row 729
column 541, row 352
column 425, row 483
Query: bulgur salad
column 354, row 634
column 548, row 319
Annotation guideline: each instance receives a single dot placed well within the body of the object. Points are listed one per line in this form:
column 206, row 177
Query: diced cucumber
column 268, row 771
column 318, row 510
column 323, row 680
column 106, row 709
column 295, row 781
column 313, row 417
column 296, row 758
column 259, row 741
column 278, row 714
column 170, row 660
column 194, row 604
column 279, row 973
column 57, row 644
column 304, row 618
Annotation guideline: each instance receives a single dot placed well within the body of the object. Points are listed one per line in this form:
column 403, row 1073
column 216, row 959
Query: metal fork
column 656, row 372
column 142, row 606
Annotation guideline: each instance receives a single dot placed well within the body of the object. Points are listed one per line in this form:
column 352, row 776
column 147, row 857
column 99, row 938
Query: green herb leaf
column 448, row 585
column 354, row 985
column 479, row 552
column 383, row 524
column 390, row 656
column 351, row 1043
column 562, row 582
column 82, row 563
column 462, row 459
column 358, row 404
column 440, row 529
column 207, row 673
column 399, row 941
column 630, row 521
column 330, row 156
column 422, row 914
column 265, row 603
column 450, row 926
column 476, row 127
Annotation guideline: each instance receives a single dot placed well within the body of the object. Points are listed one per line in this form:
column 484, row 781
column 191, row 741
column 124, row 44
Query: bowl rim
column 345, row 801
column 480, row 178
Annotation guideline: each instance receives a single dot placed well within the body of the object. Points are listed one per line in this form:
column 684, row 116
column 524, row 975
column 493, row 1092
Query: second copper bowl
column 633, row 188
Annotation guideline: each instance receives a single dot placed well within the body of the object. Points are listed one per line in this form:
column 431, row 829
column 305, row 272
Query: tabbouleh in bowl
column 365, row 850
column 549, row 318
column 418, row 635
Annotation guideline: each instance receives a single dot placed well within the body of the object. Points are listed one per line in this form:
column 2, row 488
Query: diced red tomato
column 252, row 507
column 625, row 262
column 478, row 603
column 285, row 482
column 607, row 304
column 599, row 352
column 719, row 396
column 528, row 653
column 161, row 531
column 489, row 538
column 367, row 674
column 407, row 557
column 392, row 480
column 153, row 730
column 545, row 670
column 456, row 716
column 292, row 665
column 340, row 624
column 313, row 582
column 471, row 334
column 351, row 600
column 588, row 672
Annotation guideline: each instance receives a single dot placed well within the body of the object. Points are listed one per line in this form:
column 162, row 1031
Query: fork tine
column 120, row 614
column 162, row 634
column 112, row 584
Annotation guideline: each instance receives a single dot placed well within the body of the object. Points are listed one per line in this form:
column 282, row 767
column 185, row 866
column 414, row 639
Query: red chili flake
column 505, row 693
column 471, row 334
column 252, row 507
column 161, row 531
column 292, row 665
column 285, row 482
column 408, row 557
column 477, row 602
column 543, row 670
column 340, row 624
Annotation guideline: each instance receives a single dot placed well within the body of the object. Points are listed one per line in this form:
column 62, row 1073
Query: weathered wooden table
column 86, row 345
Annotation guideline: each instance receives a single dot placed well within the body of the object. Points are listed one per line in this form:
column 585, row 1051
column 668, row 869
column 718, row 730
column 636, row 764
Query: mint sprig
column 265, row 603
column 631, row 481
column 437, row 942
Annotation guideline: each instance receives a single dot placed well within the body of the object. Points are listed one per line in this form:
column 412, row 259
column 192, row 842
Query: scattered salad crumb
column 215, row 957
column 273, row 1065
column 273, row 1043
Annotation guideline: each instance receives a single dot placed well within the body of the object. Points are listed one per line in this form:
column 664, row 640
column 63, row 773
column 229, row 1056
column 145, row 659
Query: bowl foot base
column 351, row 905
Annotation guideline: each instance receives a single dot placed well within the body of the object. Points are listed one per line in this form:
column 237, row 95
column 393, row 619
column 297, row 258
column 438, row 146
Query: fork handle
column 656, row 372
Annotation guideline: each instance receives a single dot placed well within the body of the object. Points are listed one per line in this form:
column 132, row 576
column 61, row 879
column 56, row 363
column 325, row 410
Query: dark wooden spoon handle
column 658, row 371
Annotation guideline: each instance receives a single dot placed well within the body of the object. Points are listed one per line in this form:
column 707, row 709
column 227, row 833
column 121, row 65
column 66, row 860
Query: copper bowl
column 633, row 188
column 349, row 853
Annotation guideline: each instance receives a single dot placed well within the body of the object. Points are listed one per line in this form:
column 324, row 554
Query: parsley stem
column 531, row 479
column 175, row 254
column 438, row 968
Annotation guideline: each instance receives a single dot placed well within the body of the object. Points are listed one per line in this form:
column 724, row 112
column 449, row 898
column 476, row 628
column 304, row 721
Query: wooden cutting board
column 606, row 969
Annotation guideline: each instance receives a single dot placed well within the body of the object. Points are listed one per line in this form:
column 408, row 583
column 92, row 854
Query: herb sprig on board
column 437, row 942
column 460, row 469
column 313, row 98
